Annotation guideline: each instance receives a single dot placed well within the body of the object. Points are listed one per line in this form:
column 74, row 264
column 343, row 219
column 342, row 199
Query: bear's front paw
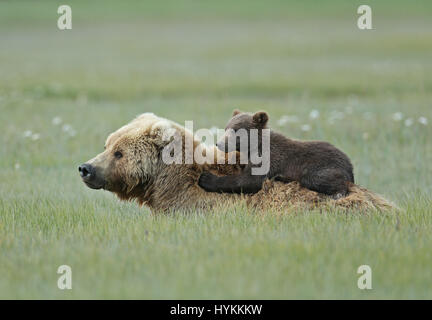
column 208, row 181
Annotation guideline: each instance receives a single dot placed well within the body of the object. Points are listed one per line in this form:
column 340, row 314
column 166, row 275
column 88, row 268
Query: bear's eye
column 118, row 154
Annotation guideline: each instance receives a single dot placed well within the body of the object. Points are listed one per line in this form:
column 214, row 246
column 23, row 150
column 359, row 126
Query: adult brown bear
column 131, row 167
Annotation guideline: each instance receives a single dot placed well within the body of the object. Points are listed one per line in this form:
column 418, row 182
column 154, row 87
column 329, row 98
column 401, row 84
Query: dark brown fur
column 141, row 175
column 316, row 165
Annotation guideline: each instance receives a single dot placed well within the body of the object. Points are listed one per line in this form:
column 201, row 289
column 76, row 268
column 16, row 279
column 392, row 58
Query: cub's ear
column 261, row 117
column 236, row 112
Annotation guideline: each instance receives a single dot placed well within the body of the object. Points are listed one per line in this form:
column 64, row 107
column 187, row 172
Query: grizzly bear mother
column 131, row 167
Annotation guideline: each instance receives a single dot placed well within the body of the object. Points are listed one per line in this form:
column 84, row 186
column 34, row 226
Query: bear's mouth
column 93, row 185
column 91, row 176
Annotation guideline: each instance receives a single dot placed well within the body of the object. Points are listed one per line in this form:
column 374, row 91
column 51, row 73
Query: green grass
column 198, row 61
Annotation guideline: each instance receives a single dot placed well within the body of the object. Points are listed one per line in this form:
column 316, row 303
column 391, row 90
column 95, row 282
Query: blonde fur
column 172, row 187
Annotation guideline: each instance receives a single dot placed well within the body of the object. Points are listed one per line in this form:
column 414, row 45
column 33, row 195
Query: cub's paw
column 339, row 195
column 208, row 181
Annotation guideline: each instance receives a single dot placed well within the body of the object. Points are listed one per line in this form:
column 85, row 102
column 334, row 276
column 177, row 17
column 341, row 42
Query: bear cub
column 316, row 165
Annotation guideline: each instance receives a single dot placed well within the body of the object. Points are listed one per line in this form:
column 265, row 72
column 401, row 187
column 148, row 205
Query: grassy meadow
column 369, row 92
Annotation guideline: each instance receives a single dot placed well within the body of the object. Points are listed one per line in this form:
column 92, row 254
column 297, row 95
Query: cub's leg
column 328, row 181
column 283, row 178
column 241, row 183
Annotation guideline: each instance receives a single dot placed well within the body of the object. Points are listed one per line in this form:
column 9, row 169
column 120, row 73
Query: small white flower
column 282, row 121
column 314, row 114
column 423, row 121
column 35, row 136
column 17, row 166
column 305, row 127
column 397, row 116
column 56, row 121
column 287, row 119
column 72, row 133
column 409, row 122
column 335, row 115
column 365, row 135
column 27, row 134
column 66, row 127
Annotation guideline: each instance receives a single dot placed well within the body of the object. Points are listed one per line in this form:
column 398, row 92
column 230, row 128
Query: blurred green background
column 305, row 62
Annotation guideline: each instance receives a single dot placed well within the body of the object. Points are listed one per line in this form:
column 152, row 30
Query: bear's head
column 132, row 157
column 239, row 127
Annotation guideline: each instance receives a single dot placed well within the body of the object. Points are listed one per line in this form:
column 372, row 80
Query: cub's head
column 131, row 158
column 239, row 127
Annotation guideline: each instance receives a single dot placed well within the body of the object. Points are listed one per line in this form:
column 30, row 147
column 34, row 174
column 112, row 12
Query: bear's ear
column 261, row 117
column 236, row 112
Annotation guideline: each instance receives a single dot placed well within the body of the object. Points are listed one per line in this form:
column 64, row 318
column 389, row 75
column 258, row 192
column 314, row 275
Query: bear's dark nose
column 86, row 171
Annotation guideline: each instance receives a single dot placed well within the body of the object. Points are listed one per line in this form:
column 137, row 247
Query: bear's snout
column 89, row 176
column 86, row 171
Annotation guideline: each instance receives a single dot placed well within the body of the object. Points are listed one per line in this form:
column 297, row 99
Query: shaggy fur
column 142, row 175
column 316, row 165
